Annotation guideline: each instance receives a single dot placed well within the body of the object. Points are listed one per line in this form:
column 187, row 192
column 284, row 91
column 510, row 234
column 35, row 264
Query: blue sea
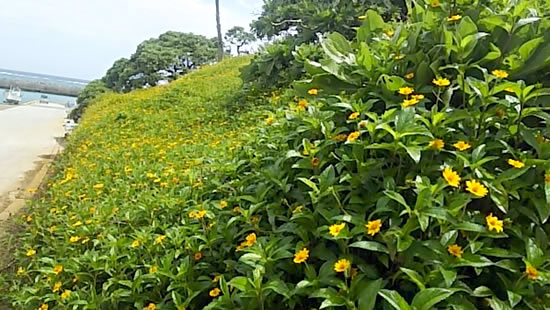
column 26, row 96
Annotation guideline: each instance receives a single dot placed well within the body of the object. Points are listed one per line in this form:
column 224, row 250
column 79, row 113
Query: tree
column 163, row 58
column 304, row 19
column 219, row 27
column 88, row 94
column 239, row 37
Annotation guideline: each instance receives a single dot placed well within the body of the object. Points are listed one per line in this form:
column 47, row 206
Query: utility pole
column 219, row 25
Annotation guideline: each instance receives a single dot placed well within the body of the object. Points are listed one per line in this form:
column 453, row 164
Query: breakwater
column 43, row 87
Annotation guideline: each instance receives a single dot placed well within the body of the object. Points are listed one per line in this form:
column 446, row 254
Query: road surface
column 26, row 133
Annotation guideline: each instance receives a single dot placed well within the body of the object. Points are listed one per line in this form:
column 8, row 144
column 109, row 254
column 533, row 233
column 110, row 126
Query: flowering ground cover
column 409, row 171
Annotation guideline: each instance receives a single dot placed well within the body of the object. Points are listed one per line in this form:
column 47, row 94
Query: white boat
column 13, row 96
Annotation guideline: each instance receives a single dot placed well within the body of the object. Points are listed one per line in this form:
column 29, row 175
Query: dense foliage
column 85, row 98
column 164, row 58
column 295, row 25
column 409, row 171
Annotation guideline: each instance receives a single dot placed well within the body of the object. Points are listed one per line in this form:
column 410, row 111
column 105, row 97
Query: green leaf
column 497, row 304
column 525, row 21
column 535, row 255
column 526, row 49
column 278, row 287
column 414, row 277
column 428, row 298
column 367, row 294
column 397, row 197
column 471, row 260
column 466, row 27
column 371, row 246
column 513, row 298
column 415, row 152
column 448, row 275
column 365, row 57
column 240, row 283
column 394, row 299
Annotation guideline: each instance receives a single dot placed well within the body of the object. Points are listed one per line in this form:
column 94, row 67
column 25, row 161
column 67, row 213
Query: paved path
column 26, row 132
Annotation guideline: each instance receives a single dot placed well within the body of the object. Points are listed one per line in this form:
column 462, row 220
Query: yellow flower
column 57, row 269
column 315, row 161
column 313, row 91
column 409, row 75
column 441, row 82
column 354, row 115
column 409, row 102
column 223, row 204
column 302, row 104
column 201, row 214
column 462, row 146
column 342, row 265
column 455, row 250
column 251, row 239
column 501, row 74
column 98, row 186
column 136, row 243
column 437, row 144
column 74, row 239
column 340, row 137
column 151, row 306
column 153, row 269
column 406, row 90
column 20, row 271
column 335, row 229
column 454, row 18
column 435, row 4
column 31, row 252
column 160, row 239
column 77, row 224
column 476, row 188
column 353, row 136
column 216, row 279
column 215, row 292
column 65, row 294
column 418, row 97
column 451, row 177
column 493, row 223
column 531, row 272
column 43, row 307
column 373, row 227
column 516, row 163
column 301, row 256
column 390, row 33
column 56, row 287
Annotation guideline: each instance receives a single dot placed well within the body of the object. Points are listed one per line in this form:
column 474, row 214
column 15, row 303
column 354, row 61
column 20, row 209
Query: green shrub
column 277, row 65
column 299, row 23
column 91, row 92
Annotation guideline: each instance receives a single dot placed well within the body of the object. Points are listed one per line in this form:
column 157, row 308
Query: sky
column 82, row 38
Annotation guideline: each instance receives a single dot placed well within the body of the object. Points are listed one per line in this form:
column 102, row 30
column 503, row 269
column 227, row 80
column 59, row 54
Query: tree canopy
column 305, row 18
column 238, row 37
column 163, row 58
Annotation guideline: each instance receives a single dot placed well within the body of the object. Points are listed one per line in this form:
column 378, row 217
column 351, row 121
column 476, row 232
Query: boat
column 13, row 95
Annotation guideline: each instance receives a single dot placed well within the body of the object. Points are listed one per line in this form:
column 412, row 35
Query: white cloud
column 83, row 38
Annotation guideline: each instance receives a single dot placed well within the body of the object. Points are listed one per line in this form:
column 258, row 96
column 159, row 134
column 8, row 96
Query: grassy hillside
column 112, row 229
